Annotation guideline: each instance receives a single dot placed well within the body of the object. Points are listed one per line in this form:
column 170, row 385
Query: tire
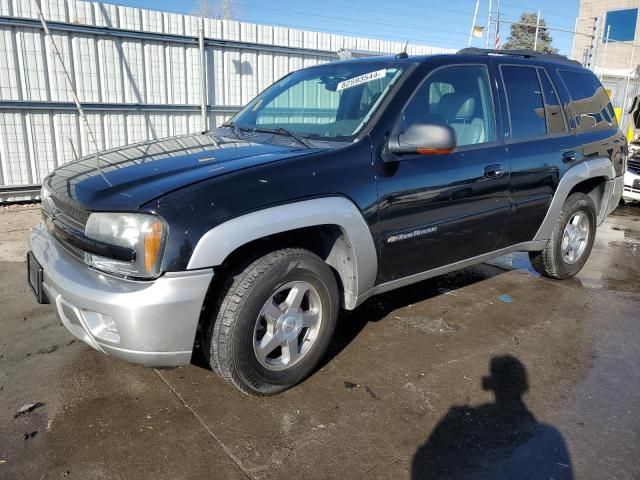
column 246, row 320
column 556, row 261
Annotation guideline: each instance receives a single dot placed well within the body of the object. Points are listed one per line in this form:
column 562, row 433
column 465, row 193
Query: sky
column 427, row 22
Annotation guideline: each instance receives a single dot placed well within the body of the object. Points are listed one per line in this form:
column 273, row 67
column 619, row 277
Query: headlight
column 45, row 198
column 144, row 234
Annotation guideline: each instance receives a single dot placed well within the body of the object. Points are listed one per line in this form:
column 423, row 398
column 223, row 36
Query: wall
column 618, row 54
column 138, row 73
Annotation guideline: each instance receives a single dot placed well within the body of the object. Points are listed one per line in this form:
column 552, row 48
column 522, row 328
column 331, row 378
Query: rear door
column 593, row 117
column 435, row 210
column 539, row 143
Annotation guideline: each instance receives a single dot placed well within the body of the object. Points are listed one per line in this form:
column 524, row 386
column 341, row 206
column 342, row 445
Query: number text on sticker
column 367, row 77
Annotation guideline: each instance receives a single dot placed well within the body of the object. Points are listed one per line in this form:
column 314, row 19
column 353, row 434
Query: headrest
column 457, row 105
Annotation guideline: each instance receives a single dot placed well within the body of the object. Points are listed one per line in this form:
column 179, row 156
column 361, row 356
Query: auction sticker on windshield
column 360, row 79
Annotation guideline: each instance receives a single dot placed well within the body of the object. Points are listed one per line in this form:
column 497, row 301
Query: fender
column 596, row 167
column 354, row 257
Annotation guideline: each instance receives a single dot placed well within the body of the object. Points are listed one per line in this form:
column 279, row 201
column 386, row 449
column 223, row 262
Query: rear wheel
column 274, row 322
column 570, row 244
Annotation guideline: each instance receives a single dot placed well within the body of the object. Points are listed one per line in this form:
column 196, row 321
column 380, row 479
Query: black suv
column 338, row 182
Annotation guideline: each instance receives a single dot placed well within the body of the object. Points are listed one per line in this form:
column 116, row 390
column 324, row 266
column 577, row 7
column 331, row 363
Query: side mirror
column 424, row 139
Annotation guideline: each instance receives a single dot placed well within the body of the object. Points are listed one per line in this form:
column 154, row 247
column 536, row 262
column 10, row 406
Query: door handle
column 493, row 171
column 569, row 157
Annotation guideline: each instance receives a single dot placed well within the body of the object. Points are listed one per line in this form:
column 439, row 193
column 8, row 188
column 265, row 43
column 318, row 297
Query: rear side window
column 525, row 101
column 591, row 107
column 552, row 107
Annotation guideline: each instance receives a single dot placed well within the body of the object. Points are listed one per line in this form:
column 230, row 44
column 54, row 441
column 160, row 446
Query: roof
column 527, row 54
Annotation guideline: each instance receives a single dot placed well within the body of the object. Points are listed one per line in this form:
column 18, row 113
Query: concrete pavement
column 490, row 372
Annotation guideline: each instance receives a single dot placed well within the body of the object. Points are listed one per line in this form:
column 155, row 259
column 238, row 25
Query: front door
column 435, row 210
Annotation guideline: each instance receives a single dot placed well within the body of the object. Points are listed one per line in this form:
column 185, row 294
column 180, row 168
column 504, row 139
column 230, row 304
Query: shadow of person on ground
column 496, row 441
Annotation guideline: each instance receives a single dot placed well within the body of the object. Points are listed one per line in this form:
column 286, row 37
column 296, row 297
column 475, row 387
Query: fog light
column 102, row 327
column 110, row 325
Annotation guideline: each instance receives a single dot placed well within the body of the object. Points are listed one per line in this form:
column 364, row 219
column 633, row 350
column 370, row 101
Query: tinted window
column 459, row 97
column 552, row 107
column 590, row 103
column 524, row 97
column 623, row 25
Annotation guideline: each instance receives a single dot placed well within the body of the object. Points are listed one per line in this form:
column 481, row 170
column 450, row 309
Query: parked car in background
column 631, row 191
column 338, row 182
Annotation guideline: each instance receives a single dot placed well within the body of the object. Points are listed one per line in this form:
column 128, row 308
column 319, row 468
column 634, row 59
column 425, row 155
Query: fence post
column 203, row 78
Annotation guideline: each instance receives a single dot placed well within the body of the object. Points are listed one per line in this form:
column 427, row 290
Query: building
column 617, row 17
column 615, row 61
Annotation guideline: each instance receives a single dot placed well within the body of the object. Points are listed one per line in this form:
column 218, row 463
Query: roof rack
column 554, row 57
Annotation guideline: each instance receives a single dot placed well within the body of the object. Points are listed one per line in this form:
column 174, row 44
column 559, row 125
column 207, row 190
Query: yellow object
column 618, row 112
column 152, row 240
column 630, row 134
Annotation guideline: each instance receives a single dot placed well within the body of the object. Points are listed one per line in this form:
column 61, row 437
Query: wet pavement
column 490, row 372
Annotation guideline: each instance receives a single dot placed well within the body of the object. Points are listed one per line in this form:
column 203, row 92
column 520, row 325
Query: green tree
column 523, row 35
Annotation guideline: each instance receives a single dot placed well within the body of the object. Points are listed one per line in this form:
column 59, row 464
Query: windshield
column 329, row 102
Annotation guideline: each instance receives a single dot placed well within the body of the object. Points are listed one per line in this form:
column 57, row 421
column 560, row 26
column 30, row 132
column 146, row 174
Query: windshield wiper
column 283, row 131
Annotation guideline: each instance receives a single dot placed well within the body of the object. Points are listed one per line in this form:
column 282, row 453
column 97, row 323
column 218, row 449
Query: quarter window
column 525, row 101
column 590, row 103
column 457, row 96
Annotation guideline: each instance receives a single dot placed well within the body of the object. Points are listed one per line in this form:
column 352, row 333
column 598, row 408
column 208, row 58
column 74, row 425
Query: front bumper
column 149, row 322
column 631, row 186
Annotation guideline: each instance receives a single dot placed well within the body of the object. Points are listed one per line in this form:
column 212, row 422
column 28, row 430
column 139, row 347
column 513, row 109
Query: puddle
column 515, row 261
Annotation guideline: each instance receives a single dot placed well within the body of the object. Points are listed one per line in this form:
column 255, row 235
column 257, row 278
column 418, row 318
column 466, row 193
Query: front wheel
column 571, row 241
column 274, row 323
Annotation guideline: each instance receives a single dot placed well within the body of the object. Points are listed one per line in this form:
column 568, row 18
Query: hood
column 127, row 177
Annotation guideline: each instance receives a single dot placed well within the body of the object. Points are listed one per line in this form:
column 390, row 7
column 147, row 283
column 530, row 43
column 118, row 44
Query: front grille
column 73, row 250
column 77, row 215
column 633, row 165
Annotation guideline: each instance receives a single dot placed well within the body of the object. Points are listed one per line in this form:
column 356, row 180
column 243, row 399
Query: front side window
column 525, row 101
column 457, row 96
column 590, row 103
column 329, row 102
column 621, row 25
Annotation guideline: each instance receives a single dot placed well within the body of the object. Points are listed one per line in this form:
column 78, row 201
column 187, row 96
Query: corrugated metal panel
column 122, row 66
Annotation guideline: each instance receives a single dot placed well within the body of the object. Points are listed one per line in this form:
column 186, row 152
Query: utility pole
column 589, row 53
column 473, row 22
column 626, row 88
column 496, row 36
column 488, row 26
column 604, row 57
column 535, row 42
column 573, row 42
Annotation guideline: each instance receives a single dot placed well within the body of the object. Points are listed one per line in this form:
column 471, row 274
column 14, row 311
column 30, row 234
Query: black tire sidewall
column 578, row 202
column 296, row 267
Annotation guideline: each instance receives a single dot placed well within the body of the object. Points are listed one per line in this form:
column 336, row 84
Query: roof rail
column 554, row 57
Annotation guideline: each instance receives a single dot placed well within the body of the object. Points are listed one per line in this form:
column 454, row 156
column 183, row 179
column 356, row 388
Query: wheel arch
column 331, row 227
column 592, row 178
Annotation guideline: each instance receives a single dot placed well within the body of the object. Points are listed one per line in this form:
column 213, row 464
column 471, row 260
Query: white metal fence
column 139, row 74
column 623, row 91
